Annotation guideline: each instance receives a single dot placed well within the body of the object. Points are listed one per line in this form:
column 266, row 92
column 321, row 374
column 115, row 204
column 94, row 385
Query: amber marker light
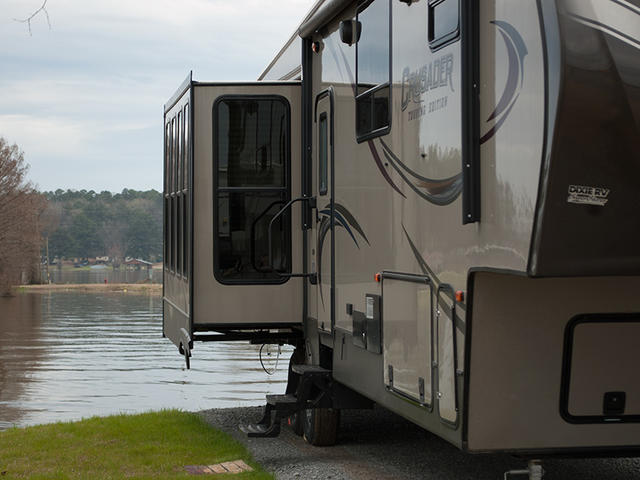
column 377, row 277
column 460, row 296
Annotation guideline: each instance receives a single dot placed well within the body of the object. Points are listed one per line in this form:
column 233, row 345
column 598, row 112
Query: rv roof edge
column 328, row 10
column 186, row 83
column 291, row 39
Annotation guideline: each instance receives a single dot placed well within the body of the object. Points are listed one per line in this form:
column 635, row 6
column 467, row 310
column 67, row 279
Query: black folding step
column 282, row 402
column 310, row 370
column 261, row 430
column 311, row 392
column 277, row 407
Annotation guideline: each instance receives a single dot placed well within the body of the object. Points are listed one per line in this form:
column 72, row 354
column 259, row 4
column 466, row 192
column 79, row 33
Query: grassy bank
column 152, row 445
column 133, row 288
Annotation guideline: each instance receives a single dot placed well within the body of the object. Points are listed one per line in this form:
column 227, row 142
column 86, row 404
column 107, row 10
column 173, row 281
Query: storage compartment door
column 600, row 378
column 407, row 326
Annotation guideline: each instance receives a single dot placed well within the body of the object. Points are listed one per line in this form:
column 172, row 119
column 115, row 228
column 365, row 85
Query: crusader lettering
column 436, row 74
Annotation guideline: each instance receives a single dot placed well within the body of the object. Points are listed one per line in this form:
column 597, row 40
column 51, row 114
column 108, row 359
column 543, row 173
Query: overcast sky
column 84, row 99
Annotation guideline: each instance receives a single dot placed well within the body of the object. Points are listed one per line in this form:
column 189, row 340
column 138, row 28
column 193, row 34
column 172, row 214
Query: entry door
column 324, row 225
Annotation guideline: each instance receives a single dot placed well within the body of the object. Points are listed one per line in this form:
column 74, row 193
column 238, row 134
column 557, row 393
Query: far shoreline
column 154, row 289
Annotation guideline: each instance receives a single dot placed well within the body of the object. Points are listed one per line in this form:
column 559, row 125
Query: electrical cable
column 275, row 368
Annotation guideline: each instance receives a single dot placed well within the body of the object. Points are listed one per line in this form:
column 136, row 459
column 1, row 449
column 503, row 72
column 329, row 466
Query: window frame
column 436, row 44
column 371, row 91
column 179, row 196
column 285, row 189
column 167, row 193
column 186, row 215
column 174, row 161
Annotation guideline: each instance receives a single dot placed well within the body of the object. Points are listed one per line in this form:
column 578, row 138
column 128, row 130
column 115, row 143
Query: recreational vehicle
column 436, row 203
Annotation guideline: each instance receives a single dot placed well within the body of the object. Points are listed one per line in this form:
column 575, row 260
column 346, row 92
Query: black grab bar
column 312, row 204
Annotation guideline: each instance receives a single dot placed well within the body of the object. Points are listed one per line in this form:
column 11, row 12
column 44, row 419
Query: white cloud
column 38, row 136
column 90, row 90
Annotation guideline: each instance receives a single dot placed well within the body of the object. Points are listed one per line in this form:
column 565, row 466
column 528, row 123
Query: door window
column 251, row 184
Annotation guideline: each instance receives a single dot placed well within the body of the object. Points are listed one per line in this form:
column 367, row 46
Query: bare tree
column 42, row 9
column 20, row 207
column 116, row 241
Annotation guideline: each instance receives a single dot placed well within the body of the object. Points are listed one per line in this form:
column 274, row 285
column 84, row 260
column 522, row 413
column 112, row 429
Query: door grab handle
column 312, row 204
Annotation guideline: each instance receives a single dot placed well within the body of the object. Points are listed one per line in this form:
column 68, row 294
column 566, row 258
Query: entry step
column 309, row 369
column 285, row 399
column 261, row 430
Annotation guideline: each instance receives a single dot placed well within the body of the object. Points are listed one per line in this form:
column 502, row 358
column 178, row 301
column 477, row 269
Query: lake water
column 65, row 356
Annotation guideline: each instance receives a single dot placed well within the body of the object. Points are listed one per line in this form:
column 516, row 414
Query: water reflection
column 66, row 356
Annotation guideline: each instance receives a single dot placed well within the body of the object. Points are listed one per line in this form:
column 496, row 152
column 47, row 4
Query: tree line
column 85, row 224
column 36, row 227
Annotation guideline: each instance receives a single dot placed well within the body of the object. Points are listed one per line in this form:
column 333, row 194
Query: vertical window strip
column 186, row 212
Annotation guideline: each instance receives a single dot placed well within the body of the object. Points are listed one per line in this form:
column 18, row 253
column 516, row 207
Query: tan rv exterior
column 460, row 205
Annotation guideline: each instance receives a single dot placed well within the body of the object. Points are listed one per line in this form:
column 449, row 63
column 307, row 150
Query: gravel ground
column 381, row 445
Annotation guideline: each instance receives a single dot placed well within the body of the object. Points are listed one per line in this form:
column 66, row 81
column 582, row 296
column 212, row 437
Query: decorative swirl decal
column 341, row 218
column 437, row 191
column 445, row 191
column 516, row 51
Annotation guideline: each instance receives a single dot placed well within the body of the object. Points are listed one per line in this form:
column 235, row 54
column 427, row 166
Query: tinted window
column 322, row 155
column 373, row 45
column 372, row 70
column 251, row 143
column 444, row 22
column 185, row 167
column 251, row 156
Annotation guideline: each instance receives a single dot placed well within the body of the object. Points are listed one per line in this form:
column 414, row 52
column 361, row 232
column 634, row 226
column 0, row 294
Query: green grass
column 152, row 445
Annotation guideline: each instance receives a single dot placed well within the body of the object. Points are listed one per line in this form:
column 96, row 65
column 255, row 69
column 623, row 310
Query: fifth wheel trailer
column 436, row 203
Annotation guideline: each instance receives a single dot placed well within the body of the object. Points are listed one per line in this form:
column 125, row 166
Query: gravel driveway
column 381, row 445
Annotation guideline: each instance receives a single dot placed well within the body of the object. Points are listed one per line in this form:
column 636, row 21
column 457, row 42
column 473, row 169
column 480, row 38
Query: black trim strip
column 190, row 165
column 470, row 71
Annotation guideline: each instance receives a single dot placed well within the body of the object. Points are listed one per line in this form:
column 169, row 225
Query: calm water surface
column 65, row 356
